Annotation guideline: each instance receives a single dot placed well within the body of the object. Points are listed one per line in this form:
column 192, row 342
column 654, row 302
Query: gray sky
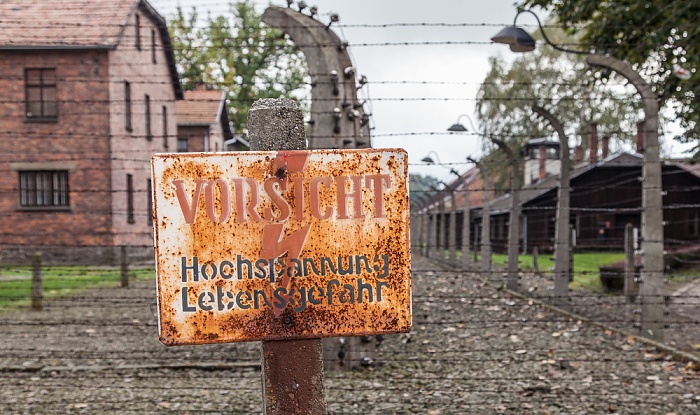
column 452, row 72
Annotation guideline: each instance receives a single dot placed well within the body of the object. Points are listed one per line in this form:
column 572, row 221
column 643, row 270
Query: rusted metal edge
column 406, row 329
column 676, row 354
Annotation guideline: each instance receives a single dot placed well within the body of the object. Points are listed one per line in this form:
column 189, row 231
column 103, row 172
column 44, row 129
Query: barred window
column 130, row 199
column 137, row 27
column 153, row 46
column 40, row 93
column 165, row 127
column 182, row 145
column 694, row 224
column 149, row 202
column 149, row 133
column 40, row 188
column 127, row 105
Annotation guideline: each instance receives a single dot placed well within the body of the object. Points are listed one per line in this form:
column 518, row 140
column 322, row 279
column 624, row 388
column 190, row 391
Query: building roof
column 204, row 108
column 534, row 190
column 545, row 141
column 689, row 167
column 76, row 24
column 29, row 24
column 200, row 107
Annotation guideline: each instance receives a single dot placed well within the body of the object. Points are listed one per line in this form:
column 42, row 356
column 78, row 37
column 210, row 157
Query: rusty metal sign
column 281, row 245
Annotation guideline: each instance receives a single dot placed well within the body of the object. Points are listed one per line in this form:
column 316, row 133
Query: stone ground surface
column 682, row 309
column 473, row 350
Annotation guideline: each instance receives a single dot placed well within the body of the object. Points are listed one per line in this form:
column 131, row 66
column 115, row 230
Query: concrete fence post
column 124, row 268
column 37, row 293
column 466, row 231
column 631, row 287
column 535, row 260
column 452, row 231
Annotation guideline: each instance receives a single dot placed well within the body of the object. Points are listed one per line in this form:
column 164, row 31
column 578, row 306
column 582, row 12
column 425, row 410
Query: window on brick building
column 182, row 145
column 130, row 199
column 149, row 133
column 127, row 105
column 149, row 202
column 43, row 188
column 40, row 93
column 165, row 127
column 694, row 224
column 153, row 46
column 137, row 33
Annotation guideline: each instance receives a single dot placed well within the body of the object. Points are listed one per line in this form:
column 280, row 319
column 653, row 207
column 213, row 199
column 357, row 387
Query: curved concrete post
column 652, row 274
column 485, row 220
column 562, row 247
column 333, row 81
column 512, row 282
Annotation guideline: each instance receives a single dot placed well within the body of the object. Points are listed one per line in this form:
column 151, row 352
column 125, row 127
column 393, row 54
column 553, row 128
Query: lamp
column 521, row 41
column 429, row 160
column 516, row 37
column 457, row 127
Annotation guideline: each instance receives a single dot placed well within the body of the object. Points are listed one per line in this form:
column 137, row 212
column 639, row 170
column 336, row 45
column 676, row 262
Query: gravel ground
column 473, row 350
column 682, row 309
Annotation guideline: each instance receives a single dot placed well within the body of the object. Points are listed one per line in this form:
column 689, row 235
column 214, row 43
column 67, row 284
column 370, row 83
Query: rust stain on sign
column 280, row 245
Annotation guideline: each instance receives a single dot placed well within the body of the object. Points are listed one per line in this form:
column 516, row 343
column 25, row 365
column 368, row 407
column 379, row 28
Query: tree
column 422, row 187
column 188, row 46
column 238, row 54
column 654, row 36
column 559, row 82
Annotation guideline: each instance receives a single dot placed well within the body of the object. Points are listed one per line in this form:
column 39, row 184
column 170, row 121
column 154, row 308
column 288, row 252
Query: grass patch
column 585, row 266
column 683, row 276
column 16, row 282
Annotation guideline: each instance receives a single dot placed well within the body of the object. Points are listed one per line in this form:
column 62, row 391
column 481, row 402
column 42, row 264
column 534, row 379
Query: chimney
column 593, row 142
column 641, row 125
column 578, row 155
column 543, row 169
column 605, row 143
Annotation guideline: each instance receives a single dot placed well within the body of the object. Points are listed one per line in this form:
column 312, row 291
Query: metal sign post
column 292, row 370
column 283, row 245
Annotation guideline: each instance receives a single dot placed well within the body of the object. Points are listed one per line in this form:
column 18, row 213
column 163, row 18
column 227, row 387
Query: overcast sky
column 452, row 72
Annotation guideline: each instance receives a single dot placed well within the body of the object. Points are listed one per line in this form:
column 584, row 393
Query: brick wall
column 78, row 141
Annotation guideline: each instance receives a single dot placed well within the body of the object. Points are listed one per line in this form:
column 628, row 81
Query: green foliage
column 187, row 43
column 652, row 35
column 560, row 83
column 421, row 188
column 239, row 54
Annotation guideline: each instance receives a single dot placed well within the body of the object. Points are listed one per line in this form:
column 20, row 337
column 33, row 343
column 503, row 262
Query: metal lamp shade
column 458, row 128
column 518, row 39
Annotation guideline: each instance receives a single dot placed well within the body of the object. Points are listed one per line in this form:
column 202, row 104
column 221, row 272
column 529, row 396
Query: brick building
column 89, row 90
column 203, row 124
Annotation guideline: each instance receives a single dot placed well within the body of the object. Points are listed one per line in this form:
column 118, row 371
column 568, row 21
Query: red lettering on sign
column 315, row 190
column 245, row 208
column 271, row 186
column 189, row 210
column 210, row 200
column 354, row 194
column 380, row 183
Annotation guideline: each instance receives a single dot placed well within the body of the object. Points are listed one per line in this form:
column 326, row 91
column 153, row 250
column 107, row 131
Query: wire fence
column 474, row 348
